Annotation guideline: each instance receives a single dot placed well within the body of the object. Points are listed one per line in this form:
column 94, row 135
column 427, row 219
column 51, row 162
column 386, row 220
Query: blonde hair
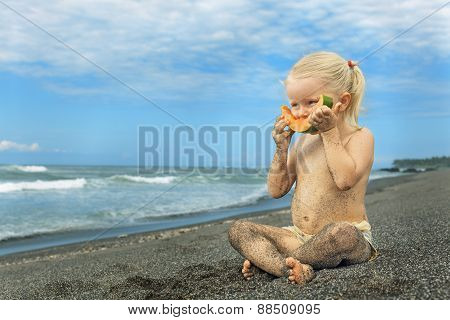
column 338, row 76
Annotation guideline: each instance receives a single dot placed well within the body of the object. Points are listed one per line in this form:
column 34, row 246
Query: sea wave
column 375, row 175
column 251, row 198
column 140, row 179
column 42, row 185
column 31, row 169
column 255, row 196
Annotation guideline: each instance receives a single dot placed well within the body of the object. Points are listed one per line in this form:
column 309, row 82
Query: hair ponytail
column 356, row 89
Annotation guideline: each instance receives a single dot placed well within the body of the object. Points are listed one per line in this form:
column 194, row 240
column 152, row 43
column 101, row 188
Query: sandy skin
column 298, row 273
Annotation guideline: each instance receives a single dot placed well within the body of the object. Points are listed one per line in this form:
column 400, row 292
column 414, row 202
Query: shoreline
column 409, row 216
column 44, row 241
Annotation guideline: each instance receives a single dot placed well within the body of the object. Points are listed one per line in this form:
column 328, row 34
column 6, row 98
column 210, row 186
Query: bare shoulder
column 366, row 132
column 361, row 137
column 361, row 149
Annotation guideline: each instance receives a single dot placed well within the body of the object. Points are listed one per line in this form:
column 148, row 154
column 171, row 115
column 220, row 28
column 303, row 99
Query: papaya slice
column 301, row 124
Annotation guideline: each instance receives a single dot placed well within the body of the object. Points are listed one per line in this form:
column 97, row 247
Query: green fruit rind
column 327, row 101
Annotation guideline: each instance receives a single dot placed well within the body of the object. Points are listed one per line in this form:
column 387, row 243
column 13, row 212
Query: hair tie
column 351, row 64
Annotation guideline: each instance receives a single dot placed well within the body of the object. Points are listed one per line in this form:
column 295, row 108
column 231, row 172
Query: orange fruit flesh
column 296, row 124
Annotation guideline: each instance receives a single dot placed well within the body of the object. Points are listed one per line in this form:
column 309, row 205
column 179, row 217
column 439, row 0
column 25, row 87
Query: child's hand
column 282, row 137
column 323, row 119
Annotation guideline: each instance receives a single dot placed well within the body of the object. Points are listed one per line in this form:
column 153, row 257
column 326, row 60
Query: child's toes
column 290, row 262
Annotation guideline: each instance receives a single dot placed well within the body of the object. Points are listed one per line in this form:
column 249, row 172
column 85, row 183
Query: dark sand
column 410, row 220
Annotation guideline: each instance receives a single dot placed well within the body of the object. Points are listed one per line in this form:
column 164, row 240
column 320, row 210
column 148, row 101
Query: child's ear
column 344, row 101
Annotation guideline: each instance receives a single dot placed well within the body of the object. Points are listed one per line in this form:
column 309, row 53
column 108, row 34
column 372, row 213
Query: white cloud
column 10, row 145
column 409, row 82
column 181, row 48
column 57, row 150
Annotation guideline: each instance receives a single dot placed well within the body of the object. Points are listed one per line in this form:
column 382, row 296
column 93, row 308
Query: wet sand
column 410, row 220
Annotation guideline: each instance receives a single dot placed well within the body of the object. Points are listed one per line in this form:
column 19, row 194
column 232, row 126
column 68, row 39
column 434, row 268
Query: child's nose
column 300, row 112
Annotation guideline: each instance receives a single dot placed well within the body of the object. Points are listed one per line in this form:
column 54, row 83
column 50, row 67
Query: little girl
column 330, row 169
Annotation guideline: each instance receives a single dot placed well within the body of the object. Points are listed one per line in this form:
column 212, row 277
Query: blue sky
column 209, row 63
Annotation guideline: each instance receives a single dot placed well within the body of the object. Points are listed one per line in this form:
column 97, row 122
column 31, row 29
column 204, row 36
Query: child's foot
column 247, row 270
column 299, row 273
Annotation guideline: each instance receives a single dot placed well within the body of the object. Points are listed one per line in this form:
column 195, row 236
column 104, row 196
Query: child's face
column 303, row 95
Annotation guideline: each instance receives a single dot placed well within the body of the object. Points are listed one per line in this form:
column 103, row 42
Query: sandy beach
column 410, row 220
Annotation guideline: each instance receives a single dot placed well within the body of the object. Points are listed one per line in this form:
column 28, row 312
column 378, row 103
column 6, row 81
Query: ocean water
column 37, row 200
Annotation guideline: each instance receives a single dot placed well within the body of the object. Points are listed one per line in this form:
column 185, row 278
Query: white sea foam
column 255, row 196
column 374, row 175
column 30, row 168
column 42, row 185
column 139, row 179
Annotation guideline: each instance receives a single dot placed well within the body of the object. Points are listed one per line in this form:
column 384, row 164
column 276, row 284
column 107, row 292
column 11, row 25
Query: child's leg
column 267, row 247
column 264, row 246
column 335, row 243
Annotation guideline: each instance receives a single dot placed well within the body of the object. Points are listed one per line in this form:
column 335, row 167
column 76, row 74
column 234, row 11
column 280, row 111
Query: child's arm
column 282, row 170
column 347, row 166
